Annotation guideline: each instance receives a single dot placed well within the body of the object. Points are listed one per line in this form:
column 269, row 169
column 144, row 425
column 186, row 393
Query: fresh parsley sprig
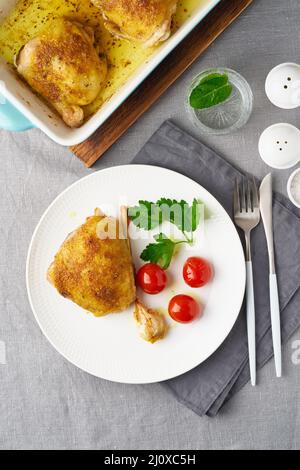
column 160, row 252
column 149, row 215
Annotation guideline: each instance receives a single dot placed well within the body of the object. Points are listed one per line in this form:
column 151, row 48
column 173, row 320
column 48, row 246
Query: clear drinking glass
column 228, row 116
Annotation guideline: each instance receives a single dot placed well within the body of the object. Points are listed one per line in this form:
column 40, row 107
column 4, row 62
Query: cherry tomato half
column 151, row 278
column 184, row 309
column 197, row 272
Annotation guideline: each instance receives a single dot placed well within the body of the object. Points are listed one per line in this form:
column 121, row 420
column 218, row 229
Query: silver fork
column 247, row 216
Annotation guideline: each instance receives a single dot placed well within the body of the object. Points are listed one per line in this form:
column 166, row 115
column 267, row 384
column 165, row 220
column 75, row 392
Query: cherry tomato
column 184, row 309
column 151, row 278
column 197, row 272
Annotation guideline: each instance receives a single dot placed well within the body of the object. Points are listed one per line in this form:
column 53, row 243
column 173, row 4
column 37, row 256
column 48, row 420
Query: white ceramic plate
column 109, row 347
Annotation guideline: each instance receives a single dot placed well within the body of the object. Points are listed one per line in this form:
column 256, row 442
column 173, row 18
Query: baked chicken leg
column 144, row 21
column 63, row 66
column 93, row 271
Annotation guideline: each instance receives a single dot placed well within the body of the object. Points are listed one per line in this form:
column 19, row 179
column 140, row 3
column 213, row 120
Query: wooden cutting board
column 159, row 80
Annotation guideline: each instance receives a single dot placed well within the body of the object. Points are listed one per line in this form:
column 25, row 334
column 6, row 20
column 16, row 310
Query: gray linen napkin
column 207, row 387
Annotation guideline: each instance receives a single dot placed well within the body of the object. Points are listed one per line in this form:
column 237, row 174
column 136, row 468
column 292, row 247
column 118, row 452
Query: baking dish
column 40, row 115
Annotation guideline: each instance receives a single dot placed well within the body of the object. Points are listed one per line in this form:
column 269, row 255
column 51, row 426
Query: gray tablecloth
column 45, row 402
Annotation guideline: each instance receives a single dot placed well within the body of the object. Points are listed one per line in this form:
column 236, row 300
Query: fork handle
column 251, row 321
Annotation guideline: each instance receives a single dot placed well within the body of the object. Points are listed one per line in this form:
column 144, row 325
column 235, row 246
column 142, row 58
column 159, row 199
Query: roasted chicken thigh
column 63, row 66
column 144, row 21
column 93, row 271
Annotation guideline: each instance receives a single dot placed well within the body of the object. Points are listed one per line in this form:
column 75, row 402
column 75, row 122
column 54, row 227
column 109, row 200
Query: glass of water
column 231, row 114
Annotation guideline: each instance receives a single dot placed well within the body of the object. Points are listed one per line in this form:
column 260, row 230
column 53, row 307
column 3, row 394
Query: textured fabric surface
column 45, row 402
column 206, row 388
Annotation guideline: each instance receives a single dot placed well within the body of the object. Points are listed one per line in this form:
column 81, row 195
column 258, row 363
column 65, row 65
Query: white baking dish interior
column 43, row 117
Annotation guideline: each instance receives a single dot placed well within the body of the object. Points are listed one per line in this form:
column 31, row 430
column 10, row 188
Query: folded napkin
column 207, row 387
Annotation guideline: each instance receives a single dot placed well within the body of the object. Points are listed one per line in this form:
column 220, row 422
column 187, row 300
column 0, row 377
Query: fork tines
column 245, row 198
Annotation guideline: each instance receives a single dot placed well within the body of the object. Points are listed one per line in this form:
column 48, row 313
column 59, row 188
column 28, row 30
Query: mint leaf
column 217, row 79
column 160, row 252
column 212, row 90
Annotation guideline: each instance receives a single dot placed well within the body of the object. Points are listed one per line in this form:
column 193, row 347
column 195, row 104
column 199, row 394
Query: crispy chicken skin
column 63, row 66
column 97, row 274
column 144, row 21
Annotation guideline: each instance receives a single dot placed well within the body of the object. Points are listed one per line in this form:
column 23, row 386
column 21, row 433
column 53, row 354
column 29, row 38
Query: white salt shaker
column 279, row 145
column 283, row 85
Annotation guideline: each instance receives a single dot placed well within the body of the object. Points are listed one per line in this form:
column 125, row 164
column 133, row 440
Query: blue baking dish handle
column 11, row 119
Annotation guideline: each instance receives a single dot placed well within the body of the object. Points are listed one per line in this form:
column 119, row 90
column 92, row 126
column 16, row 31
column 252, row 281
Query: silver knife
column 265, row 203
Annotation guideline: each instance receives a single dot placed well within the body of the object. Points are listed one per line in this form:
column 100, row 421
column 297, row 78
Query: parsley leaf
column 180, row 213
column 192, row 217
column 149, row 215
column 160, row 252
column 173, row 211
column 146, row 215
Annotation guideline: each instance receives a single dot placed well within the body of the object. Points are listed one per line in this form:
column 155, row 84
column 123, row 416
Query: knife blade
column 265, row 203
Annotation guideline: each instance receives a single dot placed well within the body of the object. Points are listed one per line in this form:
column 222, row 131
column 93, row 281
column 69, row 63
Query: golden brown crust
column 96, row 274
column 146, row 21
column 149, row 11
column 63, row 66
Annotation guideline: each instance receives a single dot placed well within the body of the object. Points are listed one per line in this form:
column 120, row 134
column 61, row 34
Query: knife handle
column 251, row 322
column 275, row 322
